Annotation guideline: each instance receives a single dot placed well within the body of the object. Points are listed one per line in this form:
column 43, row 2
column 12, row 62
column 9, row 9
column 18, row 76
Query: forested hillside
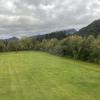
column 84, row 46
column 78, row 47
column 91, row 29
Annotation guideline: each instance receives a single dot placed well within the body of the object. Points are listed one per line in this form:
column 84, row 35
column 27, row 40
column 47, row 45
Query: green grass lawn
column 41, row 76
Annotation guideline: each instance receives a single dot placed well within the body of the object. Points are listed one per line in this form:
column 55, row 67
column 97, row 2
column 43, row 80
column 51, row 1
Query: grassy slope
column 40, row 76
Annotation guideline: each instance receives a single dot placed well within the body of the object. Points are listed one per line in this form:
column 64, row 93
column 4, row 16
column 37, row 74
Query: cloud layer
column 36, row 16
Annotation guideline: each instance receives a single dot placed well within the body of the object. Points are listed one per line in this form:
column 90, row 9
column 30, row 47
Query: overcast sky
column 36, row 16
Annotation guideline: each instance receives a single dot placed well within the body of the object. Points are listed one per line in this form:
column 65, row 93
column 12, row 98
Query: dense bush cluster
column 83, row 48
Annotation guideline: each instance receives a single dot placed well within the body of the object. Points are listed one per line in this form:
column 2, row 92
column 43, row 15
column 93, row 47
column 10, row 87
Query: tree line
column 75, row 46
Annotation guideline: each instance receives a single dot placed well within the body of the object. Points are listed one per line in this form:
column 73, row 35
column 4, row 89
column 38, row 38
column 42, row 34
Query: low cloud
column 37, row 16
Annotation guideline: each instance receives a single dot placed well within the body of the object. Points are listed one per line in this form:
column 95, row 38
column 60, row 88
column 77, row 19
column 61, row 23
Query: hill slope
column 92, row 29
column 70, row 31
column 57, row 34
column 53, row 78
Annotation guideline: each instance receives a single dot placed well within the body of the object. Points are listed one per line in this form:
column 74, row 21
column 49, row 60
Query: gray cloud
column 36, row 16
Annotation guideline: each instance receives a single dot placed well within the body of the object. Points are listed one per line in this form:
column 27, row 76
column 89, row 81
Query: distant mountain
column 70, row 31
column 11, row 39
column 91, row 29
column 58, row 34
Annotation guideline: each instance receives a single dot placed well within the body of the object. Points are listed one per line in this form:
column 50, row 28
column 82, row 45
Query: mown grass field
column 41, row 76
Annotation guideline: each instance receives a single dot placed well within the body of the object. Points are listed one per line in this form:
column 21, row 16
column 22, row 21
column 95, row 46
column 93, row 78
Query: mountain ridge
column 92, row 29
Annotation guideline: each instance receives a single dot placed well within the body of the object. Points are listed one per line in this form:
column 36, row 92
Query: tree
column 2, row 46
column 26, row 44
column 13, row 45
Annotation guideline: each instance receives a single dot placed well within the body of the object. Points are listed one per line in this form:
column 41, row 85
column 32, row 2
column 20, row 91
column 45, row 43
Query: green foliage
column 91, row 29
column 26, row 43
column 13, row 45
column 2, row 46
column 77, row 47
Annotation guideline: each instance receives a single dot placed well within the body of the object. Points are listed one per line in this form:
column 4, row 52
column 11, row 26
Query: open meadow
column 31, row 75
